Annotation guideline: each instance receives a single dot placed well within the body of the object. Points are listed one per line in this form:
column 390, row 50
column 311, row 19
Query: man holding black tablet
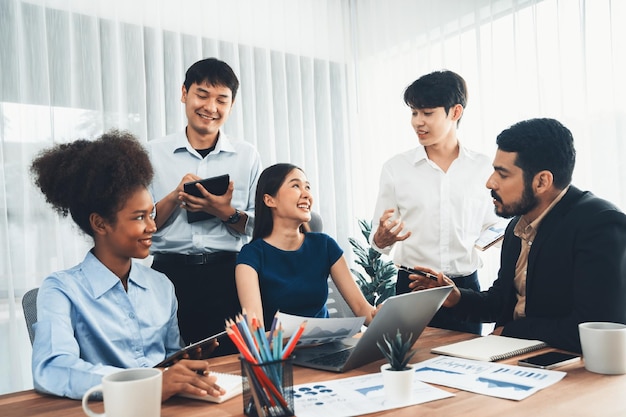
column 198, row 253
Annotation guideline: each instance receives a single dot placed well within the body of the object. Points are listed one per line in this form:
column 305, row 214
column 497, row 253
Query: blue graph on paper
column 488, row 378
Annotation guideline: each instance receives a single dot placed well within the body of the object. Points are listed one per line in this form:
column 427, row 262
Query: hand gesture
column 189, row 376
column 421, row 282
column 217, row 205
column 388, row 231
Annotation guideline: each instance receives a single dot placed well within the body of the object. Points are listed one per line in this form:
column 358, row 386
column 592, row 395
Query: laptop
column 410, row 312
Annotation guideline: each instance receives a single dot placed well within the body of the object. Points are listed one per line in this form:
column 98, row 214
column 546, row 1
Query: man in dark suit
column 563, row 258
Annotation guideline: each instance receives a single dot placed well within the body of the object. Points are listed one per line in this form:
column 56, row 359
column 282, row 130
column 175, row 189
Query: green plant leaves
column 396, row 350
column 379, row 282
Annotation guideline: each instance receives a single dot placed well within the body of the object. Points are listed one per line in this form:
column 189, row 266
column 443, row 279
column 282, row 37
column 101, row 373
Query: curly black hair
column 85, row 177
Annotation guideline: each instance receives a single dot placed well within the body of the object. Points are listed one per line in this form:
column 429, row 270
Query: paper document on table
column 231, row 384
column 488, row 378
column 355, row 396
column 319, row 330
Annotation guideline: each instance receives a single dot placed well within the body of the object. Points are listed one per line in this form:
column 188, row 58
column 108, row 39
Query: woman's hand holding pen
column 190, row 376
column 423, row 278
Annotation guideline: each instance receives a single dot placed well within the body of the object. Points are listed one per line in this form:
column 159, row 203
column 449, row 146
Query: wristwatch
column 234, row 218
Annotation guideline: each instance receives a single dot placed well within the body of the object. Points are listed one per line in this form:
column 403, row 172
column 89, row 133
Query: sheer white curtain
column 73, row 69
column 564, row 59
column 321, row 86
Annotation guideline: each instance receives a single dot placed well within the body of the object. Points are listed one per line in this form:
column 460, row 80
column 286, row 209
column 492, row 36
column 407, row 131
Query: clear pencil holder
column 267, row 388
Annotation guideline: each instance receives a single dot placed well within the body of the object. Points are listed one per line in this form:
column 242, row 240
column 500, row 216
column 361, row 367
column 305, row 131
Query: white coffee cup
column 604, row 347
column 134, row 392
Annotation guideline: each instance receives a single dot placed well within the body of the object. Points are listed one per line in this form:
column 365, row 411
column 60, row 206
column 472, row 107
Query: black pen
column 415, row 271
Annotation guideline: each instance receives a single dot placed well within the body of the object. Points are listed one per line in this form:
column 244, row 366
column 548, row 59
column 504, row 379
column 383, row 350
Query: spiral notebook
column 230, row 382
column 489, row 348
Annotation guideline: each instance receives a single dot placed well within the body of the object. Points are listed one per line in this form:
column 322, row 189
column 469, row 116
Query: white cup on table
column 604, row 347
column 134, row 392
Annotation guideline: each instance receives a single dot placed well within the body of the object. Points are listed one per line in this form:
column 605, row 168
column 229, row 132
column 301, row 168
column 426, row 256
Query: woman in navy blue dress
column 285, row 267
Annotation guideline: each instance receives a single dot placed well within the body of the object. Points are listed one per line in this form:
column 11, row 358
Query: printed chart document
column 487, row 378
column 355, row 396
column 320, row 330
column 489, row 348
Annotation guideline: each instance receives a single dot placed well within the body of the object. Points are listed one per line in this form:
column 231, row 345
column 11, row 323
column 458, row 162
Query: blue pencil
column 273, row 327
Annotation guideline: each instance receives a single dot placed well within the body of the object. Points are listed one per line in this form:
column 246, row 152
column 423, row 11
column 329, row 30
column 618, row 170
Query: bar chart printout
column 487, row 378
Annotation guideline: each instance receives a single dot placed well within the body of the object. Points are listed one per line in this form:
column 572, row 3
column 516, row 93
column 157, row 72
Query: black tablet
column 198, row 350
column 215, row 185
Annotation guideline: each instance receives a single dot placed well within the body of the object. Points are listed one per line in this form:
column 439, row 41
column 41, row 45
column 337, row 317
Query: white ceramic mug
column 604, row 347
column 132, row 392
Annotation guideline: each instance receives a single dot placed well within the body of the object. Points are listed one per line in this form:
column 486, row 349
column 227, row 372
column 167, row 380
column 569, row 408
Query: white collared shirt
column 445, row 211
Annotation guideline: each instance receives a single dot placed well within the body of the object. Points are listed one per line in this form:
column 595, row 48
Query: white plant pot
column 398, row 384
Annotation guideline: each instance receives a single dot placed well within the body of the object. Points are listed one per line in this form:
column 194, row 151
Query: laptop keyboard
column 335, row 359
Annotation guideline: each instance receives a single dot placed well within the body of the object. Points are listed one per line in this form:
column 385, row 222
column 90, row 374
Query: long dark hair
column 269, row 182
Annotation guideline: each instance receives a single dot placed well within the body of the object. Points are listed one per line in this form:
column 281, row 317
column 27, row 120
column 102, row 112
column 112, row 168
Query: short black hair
column 85, row 177
column 541, row 144
column 437, row 89
column 214, row 72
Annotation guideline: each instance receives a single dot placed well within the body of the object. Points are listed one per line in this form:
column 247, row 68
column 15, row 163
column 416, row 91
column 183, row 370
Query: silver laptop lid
column 410, row 312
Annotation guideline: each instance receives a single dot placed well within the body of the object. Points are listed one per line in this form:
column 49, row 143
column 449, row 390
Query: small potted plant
column 397, row 372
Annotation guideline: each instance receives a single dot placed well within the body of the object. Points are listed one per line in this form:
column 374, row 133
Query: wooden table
column 580, row 393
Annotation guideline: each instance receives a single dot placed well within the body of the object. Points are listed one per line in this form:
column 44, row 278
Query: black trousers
column 207, row 296
column 444, row 319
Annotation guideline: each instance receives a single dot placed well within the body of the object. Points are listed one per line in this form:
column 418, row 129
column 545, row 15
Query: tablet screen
column 198, row 350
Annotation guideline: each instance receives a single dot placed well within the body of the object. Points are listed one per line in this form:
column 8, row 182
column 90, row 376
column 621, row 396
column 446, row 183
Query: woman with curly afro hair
column 109, row 312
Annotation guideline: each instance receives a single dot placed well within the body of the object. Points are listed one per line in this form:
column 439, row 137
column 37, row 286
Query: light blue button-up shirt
column 89, row 326
column 173, row 157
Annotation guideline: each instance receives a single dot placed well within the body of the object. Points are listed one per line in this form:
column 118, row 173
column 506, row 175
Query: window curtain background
column 321, row 87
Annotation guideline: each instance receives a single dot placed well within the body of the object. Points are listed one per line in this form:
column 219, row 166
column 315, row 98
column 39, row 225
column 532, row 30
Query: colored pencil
column 293, row 340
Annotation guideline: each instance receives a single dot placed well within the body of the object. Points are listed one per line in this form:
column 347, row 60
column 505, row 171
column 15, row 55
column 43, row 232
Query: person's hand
column 191, row 377
column 217, row 205
column 203, row 351
column 168, row 204
column 498, row 330
column 421, row 282
column 173, row 197
column 372, row 313
column 180, row 188
column 388, row 231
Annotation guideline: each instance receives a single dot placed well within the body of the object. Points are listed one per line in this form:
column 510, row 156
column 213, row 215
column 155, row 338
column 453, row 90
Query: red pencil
column 243, row 349
column 291, row 344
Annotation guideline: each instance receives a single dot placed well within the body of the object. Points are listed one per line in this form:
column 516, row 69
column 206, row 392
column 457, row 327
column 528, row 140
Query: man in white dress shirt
column 432, row 203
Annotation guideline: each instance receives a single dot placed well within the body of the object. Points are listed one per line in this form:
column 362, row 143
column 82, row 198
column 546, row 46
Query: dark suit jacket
column 576, row 273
